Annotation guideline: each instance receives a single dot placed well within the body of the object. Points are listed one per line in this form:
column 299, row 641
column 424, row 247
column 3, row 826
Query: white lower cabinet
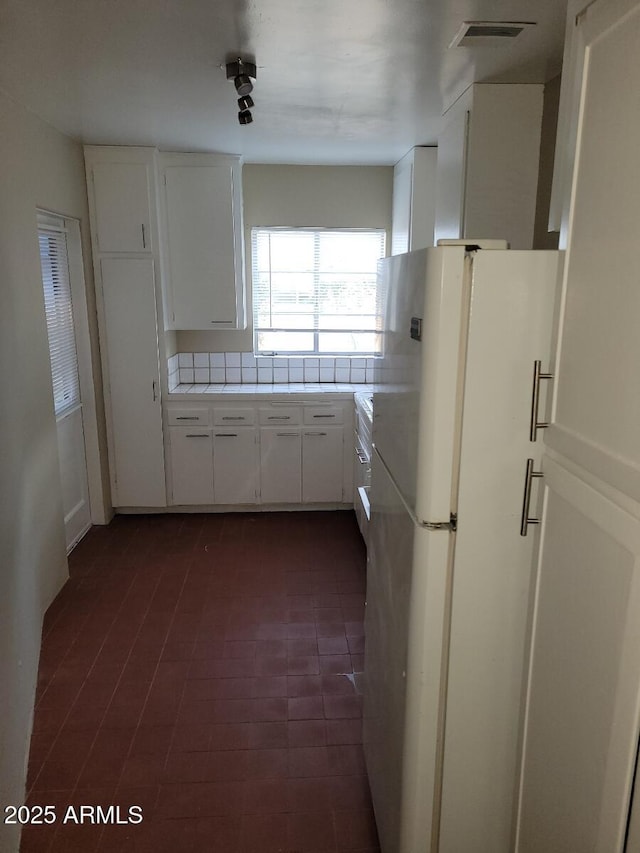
column 235, row 466
column 322, row 465
column 191, row 466
column 244, row 454
column 280, row 465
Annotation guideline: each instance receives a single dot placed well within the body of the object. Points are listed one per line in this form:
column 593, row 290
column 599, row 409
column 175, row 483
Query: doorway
column 61, row 262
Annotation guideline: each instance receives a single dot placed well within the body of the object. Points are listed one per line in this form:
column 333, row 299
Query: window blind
column 56, row 285
column 315, row 291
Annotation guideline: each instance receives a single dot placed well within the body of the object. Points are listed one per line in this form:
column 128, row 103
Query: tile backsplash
column 211, row 368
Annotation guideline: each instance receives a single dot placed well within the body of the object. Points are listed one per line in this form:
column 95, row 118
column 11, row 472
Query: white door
column 583, row 704
column 191, row 466
column 280, row 465
column 73, row 476
column 235, row 466
column 200, row 245
column 136, row 446
column 322, row 465
column 56, row 280
column 122, row 207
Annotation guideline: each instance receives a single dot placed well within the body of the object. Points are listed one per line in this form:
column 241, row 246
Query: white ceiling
column 338, row 81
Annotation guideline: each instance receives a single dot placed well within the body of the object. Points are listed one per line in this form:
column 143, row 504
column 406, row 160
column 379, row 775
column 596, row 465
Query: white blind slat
column 59, row 312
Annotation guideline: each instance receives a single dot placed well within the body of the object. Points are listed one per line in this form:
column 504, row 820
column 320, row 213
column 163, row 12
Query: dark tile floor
column 200, row 666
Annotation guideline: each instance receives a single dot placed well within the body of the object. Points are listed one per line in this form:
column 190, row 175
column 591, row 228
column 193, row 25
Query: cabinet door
column 583, row 705
column 582, row 712
column 201, row 246
column 130, row 350
column 280, row 465
column 122, row 207
column 414, row 197
column 191, row 465
column 235, row 464
column 401, row 207
column 322, row 465
column 452, row 173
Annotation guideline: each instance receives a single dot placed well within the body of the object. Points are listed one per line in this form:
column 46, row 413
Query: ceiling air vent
column 488, row 33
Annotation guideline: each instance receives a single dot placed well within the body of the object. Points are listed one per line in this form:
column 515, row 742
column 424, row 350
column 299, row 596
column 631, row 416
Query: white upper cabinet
column 414, row 200
column 488, row 156
column 122, row 207
column 202, row 227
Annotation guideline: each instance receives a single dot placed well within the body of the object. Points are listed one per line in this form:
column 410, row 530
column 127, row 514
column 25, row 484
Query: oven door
column 361, row 482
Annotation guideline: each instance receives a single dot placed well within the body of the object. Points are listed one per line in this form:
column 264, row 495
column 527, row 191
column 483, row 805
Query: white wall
column 313, row 196
column 38, row 168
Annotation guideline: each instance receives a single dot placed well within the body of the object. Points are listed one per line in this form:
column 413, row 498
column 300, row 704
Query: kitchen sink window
column 315, row 291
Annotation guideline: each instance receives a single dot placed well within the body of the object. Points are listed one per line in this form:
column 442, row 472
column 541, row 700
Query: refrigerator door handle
column 538, row 376
column 528, row 481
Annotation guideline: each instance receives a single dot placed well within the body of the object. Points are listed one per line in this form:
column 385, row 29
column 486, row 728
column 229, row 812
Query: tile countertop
column 264, row 391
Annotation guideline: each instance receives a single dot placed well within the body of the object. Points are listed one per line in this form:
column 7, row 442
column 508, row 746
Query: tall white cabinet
column 122, row 204
column 488, row 155
column 583, row 705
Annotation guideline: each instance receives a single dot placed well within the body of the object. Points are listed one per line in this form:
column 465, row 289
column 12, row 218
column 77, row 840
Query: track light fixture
column 241, row 73
column 243, row 84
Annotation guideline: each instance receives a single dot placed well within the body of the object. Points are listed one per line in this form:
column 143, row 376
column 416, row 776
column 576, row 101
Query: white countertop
column 263, row 390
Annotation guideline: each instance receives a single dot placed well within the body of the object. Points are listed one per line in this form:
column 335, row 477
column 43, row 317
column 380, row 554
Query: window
column 315, row 291
column 57, row 302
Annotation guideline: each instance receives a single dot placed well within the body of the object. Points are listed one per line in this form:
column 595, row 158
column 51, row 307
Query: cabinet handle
column 226, row 435
column 324, row 416
column 362, row 459
column 197, row 435
column 283, row 434
column 188, row 418
column 153, row 388
column 315, row 433
column 538, row 376
column 528, row 481
column 229, row 418
column 144, row 237
column 279, row 418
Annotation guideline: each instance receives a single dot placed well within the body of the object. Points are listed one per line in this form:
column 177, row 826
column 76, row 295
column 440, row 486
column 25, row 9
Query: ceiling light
column 243, row 84
column 241, row 73
column 239, row 67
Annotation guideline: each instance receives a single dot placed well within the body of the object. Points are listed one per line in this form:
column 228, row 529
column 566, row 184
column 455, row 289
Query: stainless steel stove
column 362, row 461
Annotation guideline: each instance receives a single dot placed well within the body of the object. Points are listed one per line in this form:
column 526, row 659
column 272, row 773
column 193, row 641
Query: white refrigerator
column 449, row 571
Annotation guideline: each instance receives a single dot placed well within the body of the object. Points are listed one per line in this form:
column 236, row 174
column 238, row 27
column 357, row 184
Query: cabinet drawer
column 280, row 416
column 236, row 416
column 319, row 415
column 188, row 417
